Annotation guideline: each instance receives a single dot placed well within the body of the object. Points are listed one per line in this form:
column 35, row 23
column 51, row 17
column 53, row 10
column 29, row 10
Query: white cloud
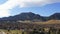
column 5, row 8
column 36, row 3
column 4, row 13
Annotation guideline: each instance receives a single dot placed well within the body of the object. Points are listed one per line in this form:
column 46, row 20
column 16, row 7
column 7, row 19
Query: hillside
column 49, row 22
column 31, row 16
column 55, row 16
column 24, row 16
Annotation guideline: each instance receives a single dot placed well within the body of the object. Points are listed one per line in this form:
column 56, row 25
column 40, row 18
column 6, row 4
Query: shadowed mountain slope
column 32, row 17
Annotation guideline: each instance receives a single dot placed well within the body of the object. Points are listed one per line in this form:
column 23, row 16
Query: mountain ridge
column 32, row 16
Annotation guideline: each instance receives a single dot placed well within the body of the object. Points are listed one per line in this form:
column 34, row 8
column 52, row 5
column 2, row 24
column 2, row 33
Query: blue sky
column 2, row 1
column 46, row 10
column 41, row 7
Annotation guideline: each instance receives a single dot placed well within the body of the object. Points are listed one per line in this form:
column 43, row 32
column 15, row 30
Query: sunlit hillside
column 49, row 22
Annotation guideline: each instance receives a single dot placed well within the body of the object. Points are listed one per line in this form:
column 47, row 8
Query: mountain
column 55, row 16
column 29, row 19
column 27, row 16
column 31, row 16
column 24, row 16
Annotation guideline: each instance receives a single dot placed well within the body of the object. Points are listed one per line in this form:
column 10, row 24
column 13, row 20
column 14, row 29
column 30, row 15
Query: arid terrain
column 26, row 23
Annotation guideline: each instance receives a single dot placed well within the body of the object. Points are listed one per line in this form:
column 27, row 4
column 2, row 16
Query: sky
column 41, row 7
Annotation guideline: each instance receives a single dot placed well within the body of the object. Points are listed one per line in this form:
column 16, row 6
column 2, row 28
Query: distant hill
column 32, row 17
column 24, row 16
column 28, row 16
column 55, row 16
column 30, row 20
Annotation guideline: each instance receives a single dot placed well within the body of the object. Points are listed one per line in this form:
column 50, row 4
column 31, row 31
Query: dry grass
column 11, row 31
column 48, row 22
